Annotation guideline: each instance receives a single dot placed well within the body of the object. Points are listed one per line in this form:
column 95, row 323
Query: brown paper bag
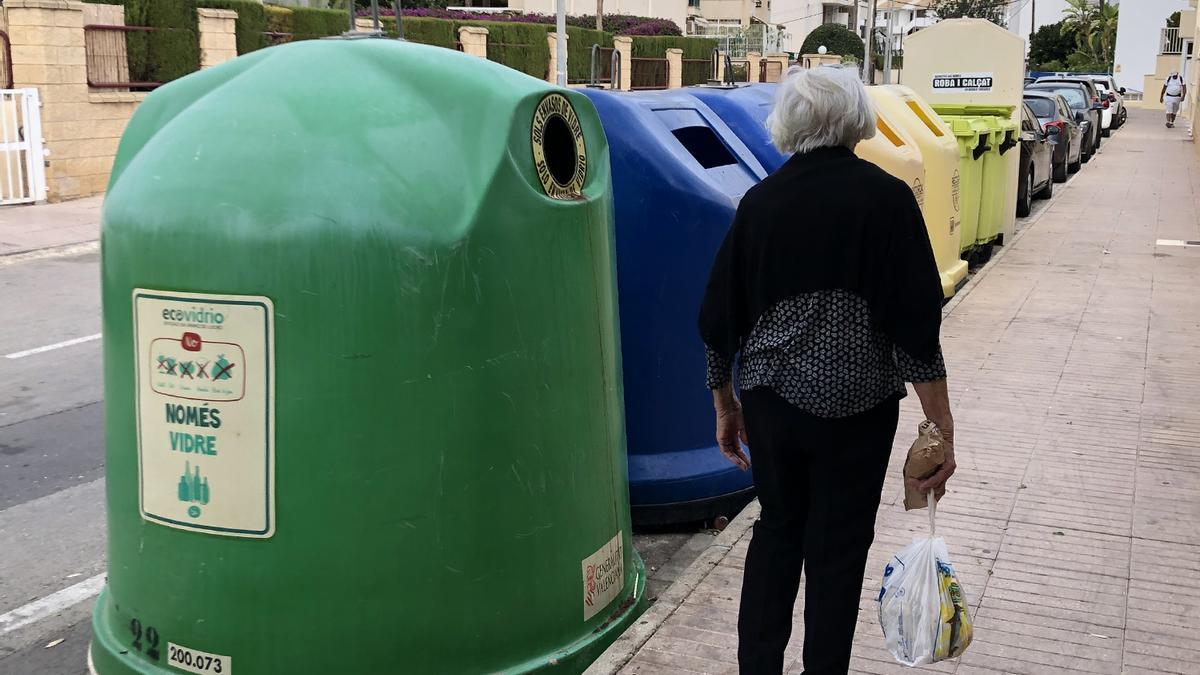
column 924, row 457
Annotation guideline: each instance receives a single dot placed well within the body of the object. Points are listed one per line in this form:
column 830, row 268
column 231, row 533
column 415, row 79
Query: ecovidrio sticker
column 205, row 388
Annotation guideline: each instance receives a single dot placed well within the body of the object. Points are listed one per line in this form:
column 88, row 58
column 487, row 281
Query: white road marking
column 50, row 605
column 1177, row 242
column 56, row 345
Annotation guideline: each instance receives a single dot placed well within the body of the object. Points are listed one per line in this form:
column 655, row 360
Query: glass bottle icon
column 192, row 488
column 185, row 485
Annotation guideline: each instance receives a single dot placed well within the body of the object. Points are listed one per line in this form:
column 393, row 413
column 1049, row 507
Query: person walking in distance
column 1173, row 92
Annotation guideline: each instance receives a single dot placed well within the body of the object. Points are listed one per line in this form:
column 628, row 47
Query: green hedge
column 251, row 22
column 426, row 31
column 579, row 52
column 520, row 46
column 308, row 23
column 656, row 46
column 166, row 55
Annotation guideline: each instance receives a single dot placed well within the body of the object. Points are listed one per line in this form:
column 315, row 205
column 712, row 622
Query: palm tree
column 1106, row 31
column 1081, row 17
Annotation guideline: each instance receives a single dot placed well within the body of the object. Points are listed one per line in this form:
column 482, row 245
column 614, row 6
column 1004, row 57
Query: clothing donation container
column 678, row 175
column 362, row 387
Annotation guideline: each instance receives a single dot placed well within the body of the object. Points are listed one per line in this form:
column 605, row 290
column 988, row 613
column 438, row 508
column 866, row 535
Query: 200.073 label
column 195, row 661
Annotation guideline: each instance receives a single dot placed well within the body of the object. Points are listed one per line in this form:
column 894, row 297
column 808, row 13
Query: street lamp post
column 887, row 48
column 866, row 68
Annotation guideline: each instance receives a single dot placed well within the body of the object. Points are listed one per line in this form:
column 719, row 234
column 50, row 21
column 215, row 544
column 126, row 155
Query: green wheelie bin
column 363, row 407
column 995, row 208
column 974, row 141
column 1002, row 136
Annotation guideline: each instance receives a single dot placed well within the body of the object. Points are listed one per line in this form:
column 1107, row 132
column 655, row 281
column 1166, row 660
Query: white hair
column 820, row 107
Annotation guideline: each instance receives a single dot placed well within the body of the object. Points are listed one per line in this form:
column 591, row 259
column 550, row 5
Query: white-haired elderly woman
column 826, row 293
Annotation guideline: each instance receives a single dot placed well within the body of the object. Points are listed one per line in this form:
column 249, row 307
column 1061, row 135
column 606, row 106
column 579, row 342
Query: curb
column 622, row 651
column 90, row 246
column 631, row 641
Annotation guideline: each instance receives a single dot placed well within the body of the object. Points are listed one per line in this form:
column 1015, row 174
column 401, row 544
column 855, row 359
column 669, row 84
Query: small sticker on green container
column 196, row 661
column 603, row 576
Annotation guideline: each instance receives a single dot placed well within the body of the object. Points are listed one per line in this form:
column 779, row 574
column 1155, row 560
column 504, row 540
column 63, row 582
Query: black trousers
column 818, row 481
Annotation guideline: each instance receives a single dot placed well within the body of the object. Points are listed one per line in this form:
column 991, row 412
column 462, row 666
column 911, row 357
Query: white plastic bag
column 921, row 605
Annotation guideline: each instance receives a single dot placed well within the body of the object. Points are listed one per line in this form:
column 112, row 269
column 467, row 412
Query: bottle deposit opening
column 558, row 144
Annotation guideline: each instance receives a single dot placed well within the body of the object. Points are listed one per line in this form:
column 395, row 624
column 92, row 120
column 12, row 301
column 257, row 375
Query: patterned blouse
column 823, row 354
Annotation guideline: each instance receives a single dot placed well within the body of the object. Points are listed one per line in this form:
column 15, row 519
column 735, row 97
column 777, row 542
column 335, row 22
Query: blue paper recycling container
column 745, row 108
column 678, row 175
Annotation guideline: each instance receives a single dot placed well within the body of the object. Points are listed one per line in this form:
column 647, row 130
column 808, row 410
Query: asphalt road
column 51, row 456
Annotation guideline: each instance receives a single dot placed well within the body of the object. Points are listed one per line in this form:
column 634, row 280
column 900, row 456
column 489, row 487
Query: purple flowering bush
column 617, row 24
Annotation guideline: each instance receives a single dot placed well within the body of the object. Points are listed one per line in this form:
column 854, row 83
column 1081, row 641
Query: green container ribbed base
column 107, row 655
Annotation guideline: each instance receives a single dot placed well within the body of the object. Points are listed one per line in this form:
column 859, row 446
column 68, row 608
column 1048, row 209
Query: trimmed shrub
column 837, row 39
column 278, row 19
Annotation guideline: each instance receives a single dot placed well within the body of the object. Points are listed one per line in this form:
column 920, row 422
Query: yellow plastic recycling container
column 894, row 150
column 974, row 140
column 910, row 114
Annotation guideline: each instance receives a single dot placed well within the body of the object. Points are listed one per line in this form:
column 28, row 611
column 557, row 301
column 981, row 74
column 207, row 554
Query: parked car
column 1093, row 94
column 1116, row 97
column 1055, row 117
column 1079, row 100
column 1037, row 160
column 1108, row 115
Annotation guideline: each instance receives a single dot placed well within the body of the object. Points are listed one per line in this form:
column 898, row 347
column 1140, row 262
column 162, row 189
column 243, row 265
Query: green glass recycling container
column 362, row 375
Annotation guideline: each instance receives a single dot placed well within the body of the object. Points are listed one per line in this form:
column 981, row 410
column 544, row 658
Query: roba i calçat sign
column 559, row 152
column 963, row 82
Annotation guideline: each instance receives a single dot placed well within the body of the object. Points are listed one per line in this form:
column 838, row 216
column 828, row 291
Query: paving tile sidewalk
column 1074, row 519
column 31, row 228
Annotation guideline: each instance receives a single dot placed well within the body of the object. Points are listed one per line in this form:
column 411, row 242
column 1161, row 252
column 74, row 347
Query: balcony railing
column 1171, row 42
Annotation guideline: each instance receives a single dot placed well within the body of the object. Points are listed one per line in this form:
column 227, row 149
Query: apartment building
column 904, row 19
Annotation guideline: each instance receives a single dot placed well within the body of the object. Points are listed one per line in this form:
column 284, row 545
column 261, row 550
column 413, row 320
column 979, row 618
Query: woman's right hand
column 935, row 402
column 937, row 482
column 731, row 427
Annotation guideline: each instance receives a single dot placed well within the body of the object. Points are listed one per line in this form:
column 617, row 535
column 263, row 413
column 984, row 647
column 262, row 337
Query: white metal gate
column 22, row 158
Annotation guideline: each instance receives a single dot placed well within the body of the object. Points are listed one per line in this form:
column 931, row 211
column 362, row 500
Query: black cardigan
column 826, row 221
